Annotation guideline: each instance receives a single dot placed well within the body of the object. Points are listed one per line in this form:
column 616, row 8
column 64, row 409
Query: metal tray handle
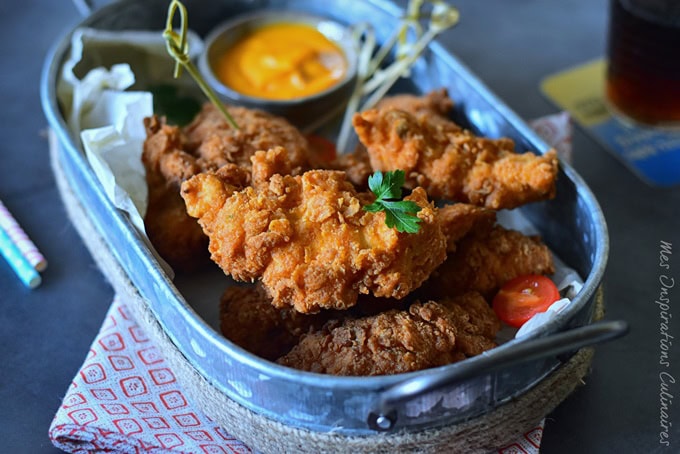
column 384, row 415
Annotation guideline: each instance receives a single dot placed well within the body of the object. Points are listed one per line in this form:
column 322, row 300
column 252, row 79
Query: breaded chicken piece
column 248, row 319
column 426, row 335
column 475, row 321
column 172, row 155
column 214, row 142
column 483, row 262
column 176, row 236
column 436, row 105
column 309, row 240
column 356, row 165
column 452, row 163
column 459, row 219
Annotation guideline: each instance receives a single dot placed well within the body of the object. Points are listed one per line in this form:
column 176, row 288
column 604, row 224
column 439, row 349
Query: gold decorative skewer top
column 373, row 82
column 178, row 47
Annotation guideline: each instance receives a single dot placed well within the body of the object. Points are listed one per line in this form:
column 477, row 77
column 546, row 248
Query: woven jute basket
column 480, row 435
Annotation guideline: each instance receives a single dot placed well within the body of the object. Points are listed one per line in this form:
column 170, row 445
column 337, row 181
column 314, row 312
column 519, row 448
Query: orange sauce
column 282, row 61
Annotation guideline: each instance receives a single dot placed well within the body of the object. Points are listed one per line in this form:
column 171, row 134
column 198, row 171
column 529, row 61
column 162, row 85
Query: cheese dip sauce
column 282, row 61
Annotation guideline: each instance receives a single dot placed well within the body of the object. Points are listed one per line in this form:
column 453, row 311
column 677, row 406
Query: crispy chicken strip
column 483, row 262
column 436, row 106
column 176, row 236
column 356, row 165
column 172, row 155
column 460, row 219
column 215, row 143
column 309, row 240
column 248, row 319
column 452, row 163
column 426, row 335
column 476, row 323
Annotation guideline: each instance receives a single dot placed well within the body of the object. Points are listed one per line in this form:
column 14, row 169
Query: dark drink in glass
column 643, row 73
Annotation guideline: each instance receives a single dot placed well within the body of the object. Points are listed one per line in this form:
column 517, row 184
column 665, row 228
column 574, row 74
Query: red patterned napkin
column 528, row 443
column 126, row 399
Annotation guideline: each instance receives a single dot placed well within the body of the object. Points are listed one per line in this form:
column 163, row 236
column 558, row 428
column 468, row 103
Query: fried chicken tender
column 309, row 240
column 436, row 105
column 356, row 165
column 172, row 155
column 477, row 324
column 426, row 335
column 483, row 262
column 459, row 219
column 248, row 319
column 176, row 236
column 216, row 143
column 452, row 163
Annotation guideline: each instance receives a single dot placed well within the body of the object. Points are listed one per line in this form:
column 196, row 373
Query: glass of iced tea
column 643, row 72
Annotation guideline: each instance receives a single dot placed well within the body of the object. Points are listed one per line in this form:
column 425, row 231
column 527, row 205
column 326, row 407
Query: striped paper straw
column 28, row 275
column 22, row 241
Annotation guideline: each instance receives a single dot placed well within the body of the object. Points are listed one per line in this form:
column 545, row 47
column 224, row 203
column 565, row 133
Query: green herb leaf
column 179, row 110
column 399, row 214
column 388, row 186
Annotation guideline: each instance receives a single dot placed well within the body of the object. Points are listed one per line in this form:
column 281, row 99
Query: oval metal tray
column 572, row 224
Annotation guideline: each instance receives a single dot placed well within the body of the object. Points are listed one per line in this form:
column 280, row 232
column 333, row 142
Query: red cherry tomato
column 322, row 147
column 522, row 297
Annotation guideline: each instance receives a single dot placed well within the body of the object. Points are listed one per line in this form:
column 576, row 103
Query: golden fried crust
column 163, row 155
column 248, row 319
column 476, row 323
column 356, row 165
column 452, row 163
column 176, row 236
column 215, row 143
column 309, row 240
column 172, row 155
column 435, row 103
column 426, row 335
column 266, row 164
column 484, row 262
column 460, row 219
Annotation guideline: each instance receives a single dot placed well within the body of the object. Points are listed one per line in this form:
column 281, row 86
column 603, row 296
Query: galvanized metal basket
column 572, row 225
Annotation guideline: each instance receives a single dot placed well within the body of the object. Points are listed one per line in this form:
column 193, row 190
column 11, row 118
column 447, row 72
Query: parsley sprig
column 400, row 214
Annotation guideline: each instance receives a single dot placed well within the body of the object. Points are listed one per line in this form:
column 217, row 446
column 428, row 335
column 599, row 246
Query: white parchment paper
column 104, row 105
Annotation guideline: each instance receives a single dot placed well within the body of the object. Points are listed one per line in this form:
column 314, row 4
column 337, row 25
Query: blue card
column 652, row 154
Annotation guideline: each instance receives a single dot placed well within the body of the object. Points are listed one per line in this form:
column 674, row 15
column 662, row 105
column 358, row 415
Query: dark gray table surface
column 45, row 333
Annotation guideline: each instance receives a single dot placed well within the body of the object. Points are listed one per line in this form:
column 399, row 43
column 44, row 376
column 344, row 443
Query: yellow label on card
column 652, row 154
column 580, row 91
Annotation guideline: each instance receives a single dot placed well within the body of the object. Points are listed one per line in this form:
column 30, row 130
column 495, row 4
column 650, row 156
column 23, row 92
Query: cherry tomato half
column 522, row 297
